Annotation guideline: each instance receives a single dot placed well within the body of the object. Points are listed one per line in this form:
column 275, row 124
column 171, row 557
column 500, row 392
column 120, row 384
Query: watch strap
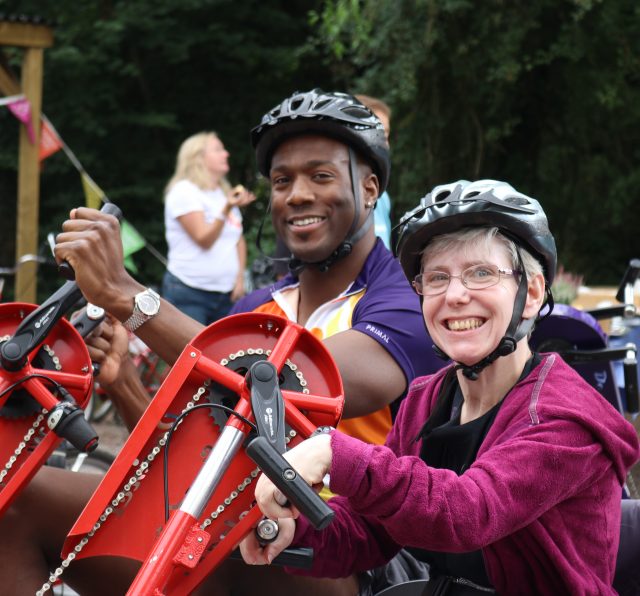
column 136, row 320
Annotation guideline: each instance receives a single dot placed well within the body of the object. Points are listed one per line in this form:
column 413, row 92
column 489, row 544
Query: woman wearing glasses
column 503, row 471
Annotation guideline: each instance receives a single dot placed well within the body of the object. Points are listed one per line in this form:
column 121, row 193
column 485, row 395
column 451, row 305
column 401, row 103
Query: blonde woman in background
column 203, row 225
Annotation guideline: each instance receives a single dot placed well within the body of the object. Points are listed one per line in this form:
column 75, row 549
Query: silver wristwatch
column 146, row 305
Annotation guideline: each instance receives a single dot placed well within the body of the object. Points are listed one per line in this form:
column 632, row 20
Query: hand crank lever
column 267, row 447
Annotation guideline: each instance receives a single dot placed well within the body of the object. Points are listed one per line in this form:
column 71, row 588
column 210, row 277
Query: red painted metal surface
column 75, row 375
column 135, row 524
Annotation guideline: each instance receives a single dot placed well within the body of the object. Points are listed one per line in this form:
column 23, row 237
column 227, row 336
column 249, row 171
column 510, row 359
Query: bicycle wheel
column 152, row 369
column 99, row 406
column 62, row 359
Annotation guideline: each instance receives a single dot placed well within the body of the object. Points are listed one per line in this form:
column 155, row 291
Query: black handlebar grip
column 65, row 269
column 294, row 487
column 630, row 277
column 67, row 421
column 630, row 368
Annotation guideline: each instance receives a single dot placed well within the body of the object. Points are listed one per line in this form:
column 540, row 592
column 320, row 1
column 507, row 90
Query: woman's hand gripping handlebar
column 266, row 451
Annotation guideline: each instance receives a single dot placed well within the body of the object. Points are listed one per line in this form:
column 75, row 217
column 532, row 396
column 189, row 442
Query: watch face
column 148, row 305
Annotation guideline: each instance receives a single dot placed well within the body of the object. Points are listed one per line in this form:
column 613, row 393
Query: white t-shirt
column 213, row 269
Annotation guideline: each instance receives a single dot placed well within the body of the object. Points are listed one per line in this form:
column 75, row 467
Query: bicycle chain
column 22, row 445
column 134, row 482
column 36, row 424
column 238, row 362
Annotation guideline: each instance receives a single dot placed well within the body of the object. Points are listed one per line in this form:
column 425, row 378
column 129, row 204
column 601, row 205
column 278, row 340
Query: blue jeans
column 201, row 305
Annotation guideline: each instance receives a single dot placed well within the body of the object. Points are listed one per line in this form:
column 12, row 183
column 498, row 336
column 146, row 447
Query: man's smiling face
column 311, row 196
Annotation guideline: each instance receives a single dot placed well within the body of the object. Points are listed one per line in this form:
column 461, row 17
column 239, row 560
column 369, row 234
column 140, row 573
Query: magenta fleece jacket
column 542, row 499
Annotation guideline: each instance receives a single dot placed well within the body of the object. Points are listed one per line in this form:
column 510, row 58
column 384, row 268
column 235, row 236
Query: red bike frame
column 208, row 467
column 27, row 441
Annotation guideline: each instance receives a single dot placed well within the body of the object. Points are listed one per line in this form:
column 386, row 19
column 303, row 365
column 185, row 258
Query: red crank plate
column 63, row 357
column 126, row 513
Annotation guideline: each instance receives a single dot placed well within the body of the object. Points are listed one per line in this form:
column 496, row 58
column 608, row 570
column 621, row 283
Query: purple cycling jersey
column 388, row 311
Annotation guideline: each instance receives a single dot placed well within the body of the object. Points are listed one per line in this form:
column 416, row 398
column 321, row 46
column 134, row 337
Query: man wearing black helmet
column 504, row 470
column 327, row 161
column 327, row 158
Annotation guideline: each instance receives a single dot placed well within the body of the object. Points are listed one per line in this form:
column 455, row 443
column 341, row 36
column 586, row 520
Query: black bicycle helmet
column 490, row 203
column 450, row 207
column 337, row 115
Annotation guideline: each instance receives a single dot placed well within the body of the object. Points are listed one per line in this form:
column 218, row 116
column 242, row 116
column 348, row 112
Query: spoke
column 297, row 420
column 285, row 345
column 4, row 384
column 67, row 380
column 220, row 374
column 313, row 403
column 38, row 390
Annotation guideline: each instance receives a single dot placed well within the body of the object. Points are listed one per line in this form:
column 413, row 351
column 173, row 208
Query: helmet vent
column 357, row 112
column 473, row 193
column 442, row 196
column 517, row 201
column 336, row 115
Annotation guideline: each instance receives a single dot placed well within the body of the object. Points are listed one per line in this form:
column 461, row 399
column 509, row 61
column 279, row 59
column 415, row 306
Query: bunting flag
column 21, row 109
column 132, row 241
column 50, row 142
column 93, row 194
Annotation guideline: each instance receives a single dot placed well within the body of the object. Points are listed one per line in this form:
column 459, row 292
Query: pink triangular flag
column 21, row 109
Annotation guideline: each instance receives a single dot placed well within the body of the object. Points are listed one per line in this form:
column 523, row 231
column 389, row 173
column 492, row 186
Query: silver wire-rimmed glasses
column 477, row 277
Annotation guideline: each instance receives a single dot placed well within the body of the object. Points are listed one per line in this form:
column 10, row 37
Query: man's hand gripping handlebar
column 65, row 418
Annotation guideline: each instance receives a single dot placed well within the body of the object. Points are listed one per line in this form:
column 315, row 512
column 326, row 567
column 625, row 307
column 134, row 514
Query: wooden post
column 34, row 37
column 29, row 178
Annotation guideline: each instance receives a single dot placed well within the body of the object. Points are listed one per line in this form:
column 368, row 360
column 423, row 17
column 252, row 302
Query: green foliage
column 543, row 94
column 126, row 82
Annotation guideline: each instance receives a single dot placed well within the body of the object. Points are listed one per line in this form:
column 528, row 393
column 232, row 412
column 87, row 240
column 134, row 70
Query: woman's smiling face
column 468, row 324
